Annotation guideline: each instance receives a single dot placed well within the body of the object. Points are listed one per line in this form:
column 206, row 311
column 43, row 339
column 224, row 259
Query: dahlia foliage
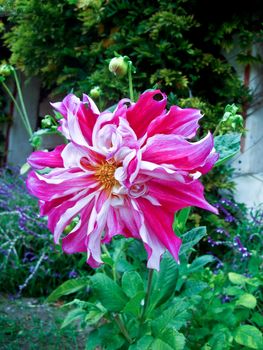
column 124, row 172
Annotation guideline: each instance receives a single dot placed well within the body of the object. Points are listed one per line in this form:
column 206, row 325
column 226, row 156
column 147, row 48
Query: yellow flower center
column 105, row 174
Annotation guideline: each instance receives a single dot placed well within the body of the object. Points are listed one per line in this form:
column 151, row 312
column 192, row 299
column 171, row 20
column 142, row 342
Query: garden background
column 202, row 54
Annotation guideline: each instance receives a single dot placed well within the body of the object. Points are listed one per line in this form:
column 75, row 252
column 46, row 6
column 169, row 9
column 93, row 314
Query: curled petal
column 146, row 109
column 178, row 121
column 41, row 159
column 174, row 150
column 177, row 195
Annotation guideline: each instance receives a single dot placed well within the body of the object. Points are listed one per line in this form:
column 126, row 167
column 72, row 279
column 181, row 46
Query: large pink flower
column 124, row 172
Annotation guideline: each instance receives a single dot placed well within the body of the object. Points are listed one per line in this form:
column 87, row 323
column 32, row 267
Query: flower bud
column 6, row 69
column 118, row 66
column 47, row 122
column 95, row 92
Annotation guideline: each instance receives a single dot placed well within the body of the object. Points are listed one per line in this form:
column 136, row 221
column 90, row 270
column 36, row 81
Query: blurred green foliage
column 173, row 44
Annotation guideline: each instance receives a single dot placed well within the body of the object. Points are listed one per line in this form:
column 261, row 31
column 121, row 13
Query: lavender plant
column 30, row 263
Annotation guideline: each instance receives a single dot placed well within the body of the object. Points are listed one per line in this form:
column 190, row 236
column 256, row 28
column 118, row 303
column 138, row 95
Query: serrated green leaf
column 221, row 339
column 247, row 300
column 143, row 343
column 132, row 283
column 134, row 305
column 200, row 262
column 68, row 287
column 249, row 336
column 108, row 292
column 165, row 281
column 159, row 344
column 193, row 287
column 173, row 338
column 73, row 315
column 191, row 238
column 174, row 316
column 227, row 146
column 106, row 336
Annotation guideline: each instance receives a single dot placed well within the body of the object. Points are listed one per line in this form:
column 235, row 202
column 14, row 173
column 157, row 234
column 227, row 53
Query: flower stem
column 22, row 103
column 123, row 329
column 217, row 128
column 148, row 293
column 17, row 107
column 130, row 82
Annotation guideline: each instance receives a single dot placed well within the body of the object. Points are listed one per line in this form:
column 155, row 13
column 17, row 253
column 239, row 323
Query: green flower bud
column 118, row 66
column 95, row 92
column 47, row 122
column 6, row 69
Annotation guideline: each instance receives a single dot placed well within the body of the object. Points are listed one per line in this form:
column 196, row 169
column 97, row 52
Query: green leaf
column 249, row 336
column 132, row 283
column 193, row 287
column 200, row 262
column 106, row 336
column 158, row 344
column 134, row 305
column 174, row 316
column 227, row 146
column 247, row 300
column 173, row 338
column 191, row 238
column 165, row 281
column 181, row 219
column 236, row 278
column 73, row 315
column 108, row 292
column 143, row 343
column 258, row 319
column 68, row 287
column 221, row 339
column 94, row 340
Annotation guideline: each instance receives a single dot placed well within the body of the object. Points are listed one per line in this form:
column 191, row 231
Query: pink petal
column 177, row 195
column 209, row 163
column 95, row 236
column 41, row 159
column 146, row 109
column 46, row 187
column 76, row 240
column 114, row 225
column 59, row 223
column 174, row 150
column 81, row 117
column 183, row 122
column 158, row 222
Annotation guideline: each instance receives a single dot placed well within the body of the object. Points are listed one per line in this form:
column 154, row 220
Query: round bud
column 118, row 66
column 95, row 92
column 6, row 69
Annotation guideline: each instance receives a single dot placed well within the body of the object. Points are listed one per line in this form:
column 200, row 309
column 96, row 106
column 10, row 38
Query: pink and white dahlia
column 124, row 172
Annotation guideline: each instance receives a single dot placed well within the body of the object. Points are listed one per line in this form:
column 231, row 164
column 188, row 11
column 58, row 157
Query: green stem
column 130, row 82
column 22, row 102
column 17, row 107
column 114, row 275
column 217, row 128
column 123, row 329
column 148, row 294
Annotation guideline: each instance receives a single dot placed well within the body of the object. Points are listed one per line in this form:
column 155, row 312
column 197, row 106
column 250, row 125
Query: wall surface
column 18, row 145
column 249, row 162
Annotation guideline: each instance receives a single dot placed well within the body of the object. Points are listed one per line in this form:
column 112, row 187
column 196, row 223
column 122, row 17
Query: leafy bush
column 30, row 263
